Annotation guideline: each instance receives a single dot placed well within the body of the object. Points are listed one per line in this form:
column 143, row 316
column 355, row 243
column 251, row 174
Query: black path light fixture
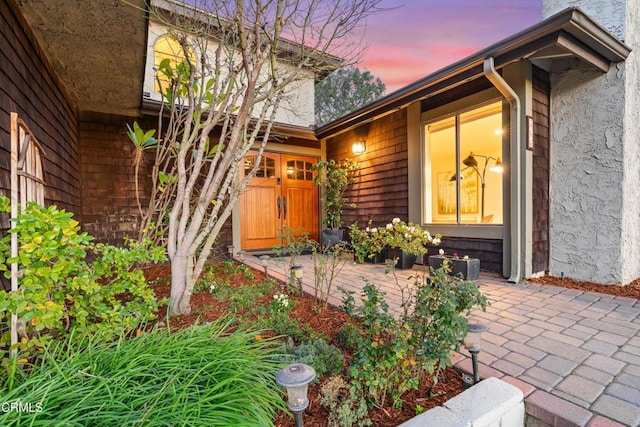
column 264, row 260
column 296, row 378
column 471, row 162
column 297, row 272
column 473, row 343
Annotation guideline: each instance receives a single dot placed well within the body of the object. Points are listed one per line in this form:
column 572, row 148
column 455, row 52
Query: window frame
column 454, row 110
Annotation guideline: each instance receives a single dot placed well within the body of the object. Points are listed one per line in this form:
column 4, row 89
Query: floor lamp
column 471, row 162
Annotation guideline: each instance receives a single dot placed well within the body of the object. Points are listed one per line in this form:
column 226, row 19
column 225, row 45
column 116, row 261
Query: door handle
column 278, row 205
column 284, row 205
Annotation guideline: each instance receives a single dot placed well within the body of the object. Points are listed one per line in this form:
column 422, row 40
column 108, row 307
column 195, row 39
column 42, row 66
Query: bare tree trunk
column 178, row 285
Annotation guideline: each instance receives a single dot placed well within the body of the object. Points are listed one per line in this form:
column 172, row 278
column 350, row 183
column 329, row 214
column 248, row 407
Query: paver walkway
column 575, row 354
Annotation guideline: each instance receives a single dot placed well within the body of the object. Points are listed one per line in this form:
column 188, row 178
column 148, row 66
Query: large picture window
column 463, row 167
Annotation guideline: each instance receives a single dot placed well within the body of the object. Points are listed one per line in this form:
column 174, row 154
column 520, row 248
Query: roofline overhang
column 570, row 30
column 278, row 130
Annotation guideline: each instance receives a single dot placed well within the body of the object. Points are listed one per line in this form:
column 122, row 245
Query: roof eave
column 571, row 28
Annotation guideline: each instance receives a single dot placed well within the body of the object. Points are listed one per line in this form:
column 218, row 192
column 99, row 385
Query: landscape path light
column 264, row 260
column 473, row 343
column 296, row 378
column 298, row 272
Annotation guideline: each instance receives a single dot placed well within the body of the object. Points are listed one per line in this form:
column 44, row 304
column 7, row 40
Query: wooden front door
column 281, row 194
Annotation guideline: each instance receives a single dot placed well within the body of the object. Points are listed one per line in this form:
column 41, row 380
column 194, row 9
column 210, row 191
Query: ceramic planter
column 468, row 268
column 330, row 238
column 405, row 261
column 375, row 259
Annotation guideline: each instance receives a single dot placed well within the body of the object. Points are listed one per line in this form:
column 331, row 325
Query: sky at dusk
column 414, row 38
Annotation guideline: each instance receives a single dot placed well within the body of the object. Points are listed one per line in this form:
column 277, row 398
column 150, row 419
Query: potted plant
column 406, row 241
column 367, row 243
column 465, row 267
column 334, row 178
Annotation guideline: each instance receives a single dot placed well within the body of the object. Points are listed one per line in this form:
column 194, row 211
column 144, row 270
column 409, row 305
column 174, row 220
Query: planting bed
column 327, row 321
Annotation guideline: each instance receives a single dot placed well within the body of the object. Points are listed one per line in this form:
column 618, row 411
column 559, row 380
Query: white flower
column 367, row 229
column 441, row 251
column 436, row 241
column 374, row 229
column 389, row 226
column 395, row 220
column 212, row 288
column 466, row 257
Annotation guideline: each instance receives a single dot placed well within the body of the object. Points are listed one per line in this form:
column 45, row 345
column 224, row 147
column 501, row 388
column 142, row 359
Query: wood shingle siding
column 30, row 87
column 540, row 261
column 380, row 191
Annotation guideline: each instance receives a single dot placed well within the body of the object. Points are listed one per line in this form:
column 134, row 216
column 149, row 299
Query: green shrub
column 324, row 357
column 346, row 405
column 60, row 289
column 348, row 336
column 394, row 353
column 200, row 376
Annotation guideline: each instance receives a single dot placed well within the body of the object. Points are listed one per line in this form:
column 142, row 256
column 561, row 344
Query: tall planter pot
column 405, row 260
column 330, row 238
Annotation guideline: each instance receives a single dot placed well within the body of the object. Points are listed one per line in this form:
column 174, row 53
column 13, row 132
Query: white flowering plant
column 366, row 242
column 280, row 302
column 408, row 237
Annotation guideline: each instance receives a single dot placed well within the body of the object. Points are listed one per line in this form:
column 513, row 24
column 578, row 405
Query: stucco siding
column 631, row 185
column 586, row 175
column 595, row 207
column 608, row 13
column 296, row 108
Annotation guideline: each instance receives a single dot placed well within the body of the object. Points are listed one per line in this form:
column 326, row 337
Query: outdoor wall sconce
column 296, row 378
column 358, row 148
column 264, row 260
column 297, row 271
column 473, row 343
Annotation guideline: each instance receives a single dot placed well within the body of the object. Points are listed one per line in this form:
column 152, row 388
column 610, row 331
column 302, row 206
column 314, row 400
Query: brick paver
column 577, row 354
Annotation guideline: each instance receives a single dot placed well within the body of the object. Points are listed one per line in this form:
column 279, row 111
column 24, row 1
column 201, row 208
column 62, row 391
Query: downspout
column 516, row 163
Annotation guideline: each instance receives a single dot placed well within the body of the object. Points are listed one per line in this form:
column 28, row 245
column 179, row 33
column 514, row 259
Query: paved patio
column 574, row 354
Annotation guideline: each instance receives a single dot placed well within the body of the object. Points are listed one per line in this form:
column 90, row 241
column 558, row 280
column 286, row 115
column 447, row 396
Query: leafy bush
column 348, row 336
column 60, row 289
column 324, row 357
column 282, row 324
column 394, row 353
column 199, row 376
column 346, row 405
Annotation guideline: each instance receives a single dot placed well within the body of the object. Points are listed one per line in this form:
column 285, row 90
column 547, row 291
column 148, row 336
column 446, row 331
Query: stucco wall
column 594, row 196
column 631, row 184
column 296, row 108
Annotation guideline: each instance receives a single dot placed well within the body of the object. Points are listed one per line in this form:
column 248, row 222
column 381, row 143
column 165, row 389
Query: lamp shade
column 470, row 161
column 473, row 340
column 497, row 168
column 296, row 378
column 298, row 271
column 264, row 260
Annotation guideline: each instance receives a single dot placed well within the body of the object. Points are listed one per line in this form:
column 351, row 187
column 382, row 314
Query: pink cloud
column 411, row 41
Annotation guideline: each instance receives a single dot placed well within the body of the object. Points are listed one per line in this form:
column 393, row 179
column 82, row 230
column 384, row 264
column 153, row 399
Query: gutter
column 516, row 166
column 571, row 21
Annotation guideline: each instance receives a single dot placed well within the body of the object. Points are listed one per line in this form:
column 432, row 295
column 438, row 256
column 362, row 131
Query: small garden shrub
column 346, row 405
column 324, row 357
column 199, row 376
column 394, row 353
column 348, row 336
column 60, row 289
